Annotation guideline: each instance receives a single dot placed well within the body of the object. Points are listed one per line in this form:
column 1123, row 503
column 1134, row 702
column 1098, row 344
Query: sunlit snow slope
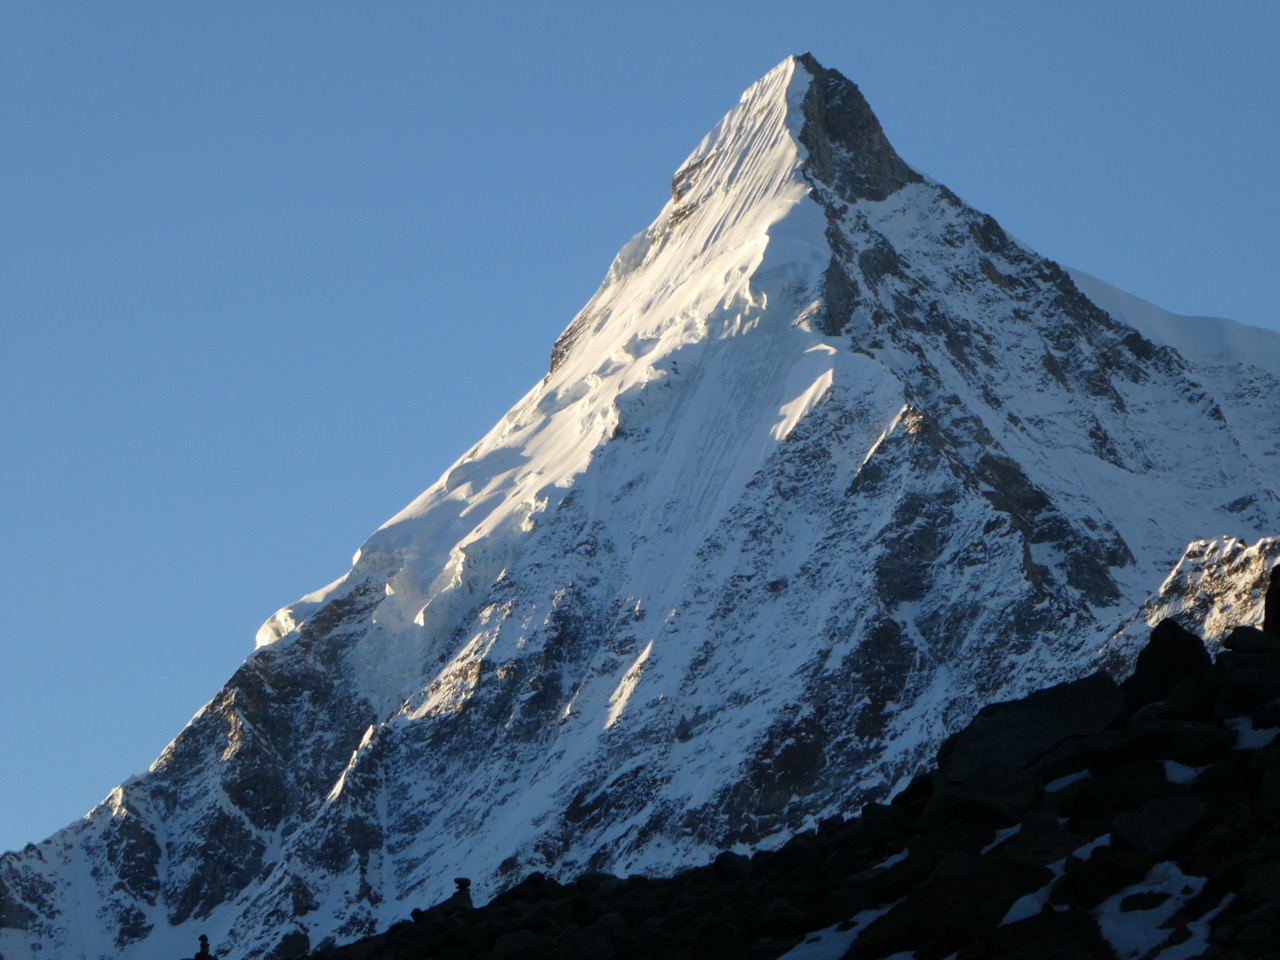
column 826, row 463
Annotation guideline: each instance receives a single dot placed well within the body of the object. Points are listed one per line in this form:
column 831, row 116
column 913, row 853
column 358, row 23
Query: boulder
column 1017, row 732
column 1172, row 654
column 1252, row 640
column 1159, row 825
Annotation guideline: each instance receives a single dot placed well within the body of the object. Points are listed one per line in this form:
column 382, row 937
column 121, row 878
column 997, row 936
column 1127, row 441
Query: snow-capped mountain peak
column 826, row 463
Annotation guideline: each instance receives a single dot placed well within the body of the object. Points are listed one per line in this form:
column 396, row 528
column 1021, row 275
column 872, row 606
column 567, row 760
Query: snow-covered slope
column 826, row 463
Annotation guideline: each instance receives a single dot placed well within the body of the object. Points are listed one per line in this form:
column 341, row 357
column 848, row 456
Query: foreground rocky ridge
column 1090, row 819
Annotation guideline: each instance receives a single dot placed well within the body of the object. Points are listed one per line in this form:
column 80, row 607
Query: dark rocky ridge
column 1046, row 824
column 848, row 150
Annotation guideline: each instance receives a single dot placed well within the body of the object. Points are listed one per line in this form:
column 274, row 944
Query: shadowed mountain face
column 827, row 463
column 1086, row 820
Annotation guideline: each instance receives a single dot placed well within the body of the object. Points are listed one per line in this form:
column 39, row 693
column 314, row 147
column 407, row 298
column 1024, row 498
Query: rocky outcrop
column 1215, row 586
column 1087, row 820
column 847, row 147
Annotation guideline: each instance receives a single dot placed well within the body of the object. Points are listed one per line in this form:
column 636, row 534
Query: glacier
column 828, row 462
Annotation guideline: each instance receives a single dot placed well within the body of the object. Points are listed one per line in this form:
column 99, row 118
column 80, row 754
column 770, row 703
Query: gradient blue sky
column 267, row 270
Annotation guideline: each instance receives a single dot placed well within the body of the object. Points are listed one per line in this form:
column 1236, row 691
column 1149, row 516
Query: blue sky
column 267, row 270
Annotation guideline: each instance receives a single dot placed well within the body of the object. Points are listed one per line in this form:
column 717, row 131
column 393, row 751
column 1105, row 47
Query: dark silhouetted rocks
column 1172, row 654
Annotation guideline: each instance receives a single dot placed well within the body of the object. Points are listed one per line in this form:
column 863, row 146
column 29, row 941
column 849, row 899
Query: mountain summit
column 828, row 462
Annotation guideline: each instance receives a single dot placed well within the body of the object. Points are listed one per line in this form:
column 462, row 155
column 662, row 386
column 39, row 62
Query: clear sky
column 266, row 270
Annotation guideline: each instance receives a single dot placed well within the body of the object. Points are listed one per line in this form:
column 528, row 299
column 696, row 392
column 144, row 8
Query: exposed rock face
column 1084, row 820
column 848, row 151
column 827, row 463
